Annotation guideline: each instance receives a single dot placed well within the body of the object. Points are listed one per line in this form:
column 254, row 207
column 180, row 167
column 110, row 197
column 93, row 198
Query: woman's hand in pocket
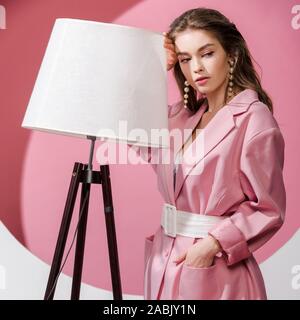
column 201, row 254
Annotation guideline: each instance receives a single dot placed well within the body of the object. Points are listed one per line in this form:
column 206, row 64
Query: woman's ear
column 233, row 58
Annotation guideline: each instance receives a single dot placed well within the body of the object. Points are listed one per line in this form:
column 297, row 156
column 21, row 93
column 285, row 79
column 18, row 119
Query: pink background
column 36, row 167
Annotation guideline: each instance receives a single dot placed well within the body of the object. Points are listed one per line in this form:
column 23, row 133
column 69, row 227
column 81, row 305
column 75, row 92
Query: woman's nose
column 196, row 66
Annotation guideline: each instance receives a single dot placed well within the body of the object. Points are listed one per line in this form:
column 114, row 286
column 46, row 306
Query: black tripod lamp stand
column 84, row 175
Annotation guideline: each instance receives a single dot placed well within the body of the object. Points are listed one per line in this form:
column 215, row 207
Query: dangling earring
column 186, row 96
column 230, row 85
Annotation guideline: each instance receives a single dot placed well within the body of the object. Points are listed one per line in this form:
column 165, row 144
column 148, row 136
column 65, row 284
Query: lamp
column 94, row 75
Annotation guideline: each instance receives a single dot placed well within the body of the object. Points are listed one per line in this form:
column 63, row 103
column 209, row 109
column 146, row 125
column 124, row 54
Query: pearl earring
column 186, row 96
column 230, row 85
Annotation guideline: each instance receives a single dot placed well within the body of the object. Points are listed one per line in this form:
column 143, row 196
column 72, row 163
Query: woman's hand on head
column 170, row 51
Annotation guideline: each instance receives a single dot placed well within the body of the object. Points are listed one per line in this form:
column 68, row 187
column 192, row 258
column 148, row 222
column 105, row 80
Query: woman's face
column 200, row 54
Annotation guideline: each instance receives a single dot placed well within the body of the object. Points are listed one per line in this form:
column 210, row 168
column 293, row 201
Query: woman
column 237, row 199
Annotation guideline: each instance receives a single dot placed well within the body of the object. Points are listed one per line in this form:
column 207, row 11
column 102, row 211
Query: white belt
column 186, row 223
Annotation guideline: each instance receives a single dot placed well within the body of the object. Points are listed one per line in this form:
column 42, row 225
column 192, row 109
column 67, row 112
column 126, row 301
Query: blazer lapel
column 182, row 121
column 215, row 131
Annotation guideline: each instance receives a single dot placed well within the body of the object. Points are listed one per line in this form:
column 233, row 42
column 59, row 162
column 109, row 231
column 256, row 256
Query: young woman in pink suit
column 231, row 200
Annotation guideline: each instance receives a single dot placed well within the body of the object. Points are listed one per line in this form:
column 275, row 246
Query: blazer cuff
column 232, row 241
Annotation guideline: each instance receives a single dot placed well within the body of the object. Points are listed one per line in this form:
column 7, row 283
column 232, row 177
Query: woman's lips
column 202, row 81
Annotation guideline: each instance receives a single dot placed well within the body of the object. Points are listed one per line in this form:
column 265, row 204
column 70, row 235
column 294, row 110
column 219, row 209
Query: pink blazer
column 241, row 178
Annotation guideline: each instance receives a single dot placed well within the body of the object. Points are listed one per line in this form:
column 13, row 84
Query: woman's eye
column 183, row 60
column 208, row 54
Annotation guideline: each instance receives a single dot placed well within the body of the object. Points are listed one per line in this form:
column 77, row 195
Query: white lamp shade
column 96, row 78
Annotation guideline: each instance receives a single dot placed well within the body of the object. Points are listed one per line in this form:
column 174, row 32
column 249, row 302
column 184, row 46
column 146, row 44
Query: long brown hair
column 233, row 43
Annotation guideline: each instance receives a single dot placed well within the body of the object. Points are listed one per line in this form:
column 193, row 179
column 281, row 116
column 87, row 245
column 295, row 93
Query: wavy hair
column 233, row 43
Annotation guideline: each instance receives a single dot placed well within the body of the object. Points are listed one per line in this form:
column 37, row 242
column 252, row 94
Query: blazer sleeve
column 258, row 218
column 148, row 154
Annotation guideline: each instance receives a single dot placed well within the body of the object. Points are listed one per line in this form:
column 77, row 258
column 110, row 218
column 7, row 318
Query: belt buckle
column 170, row 220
